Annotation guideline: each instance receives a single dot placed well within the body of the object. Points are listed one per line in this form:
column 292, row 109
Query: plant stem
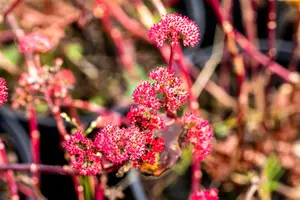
column 35, row 141
column 99, row 193
column 9, row 174
column 11, row 7
column 130, row 24
column 119, row 43
column 171, row 56
column 273, row 67
column 271, row 29
column 47, row 169
column 159, row 7
column 33, row 65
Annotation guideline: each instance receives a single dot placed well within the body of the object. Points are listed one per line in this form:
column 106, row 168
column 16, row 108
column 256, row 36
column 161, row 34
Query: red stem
column 250, row 48
column 271, row 29
column 193, row 103
column 171, row 56
column 33, row 67
column 118, row 41
column 99, row 195
column 35, row 141
column 130, row 24
column 46, row 169
column 11, row 7
column 9, row 174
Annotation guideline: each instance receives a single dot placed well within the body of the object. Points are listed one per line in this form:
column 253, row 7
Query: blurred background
column 255, row 122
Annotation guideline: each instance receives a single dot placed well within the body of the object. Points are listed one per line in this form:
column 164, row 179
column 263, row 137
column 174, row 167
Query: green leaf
column 97, row 100
column 12, row 53
column 132, row 83
column 42, row 108
column 74, row 51
column 183, row 164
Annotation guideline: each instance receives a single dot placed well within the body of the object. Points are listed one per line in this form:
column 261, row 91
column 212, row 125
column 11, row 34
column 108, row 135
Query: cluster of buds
column 38, row 79
column 35, row 43
column 173, row 27
column 3, row 91
column 211, row 194
column 166, row 92
column 144, row 118
column 56, row 81
column 87, row 159
column 116, row 145
column 198, row 133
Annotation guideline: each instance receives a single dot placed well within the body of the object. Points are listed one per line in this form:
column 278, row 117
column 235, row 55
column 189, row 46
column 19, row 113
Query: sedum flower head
column 87, row 161
column 120, row 145
column 144, row 118
column 173, row 27
column 145, row 95
column 199, row 134
column 166, row 91
column 3, row 91
column 211, row 194
column 169, row 87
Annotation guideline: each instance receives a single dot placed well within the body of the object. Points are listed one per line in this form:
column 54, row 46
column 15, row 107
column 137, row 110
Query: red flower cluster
column 165, row 92
column 145, row 95
column 35, row 43
column 199, row 134
column 3, row 91
column 211, row 194
column 120, row 145
column 144, row 118
column 87, row 159
column 168, row 86
column 173, row 27
column 155, row 145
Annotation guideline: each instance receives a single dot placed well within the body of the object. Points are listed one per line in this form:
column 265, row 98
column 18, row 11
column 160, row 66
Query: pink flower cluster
column 35, row 43
column 145, row 95
column 137, row 144
column 3, row 91
column 211, row 194
column 173, row 27
column 119, row 145
column 155, row 145
column 199, row 134
column 87, row 159
column 144, row 118
column 165, row 92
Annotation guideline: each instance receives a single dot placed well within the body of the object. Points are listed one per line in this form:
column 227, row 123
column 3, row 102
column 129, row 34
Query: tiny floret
column 211, row 194
column 3, row 91
column 173, row 27
column 35, row 43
